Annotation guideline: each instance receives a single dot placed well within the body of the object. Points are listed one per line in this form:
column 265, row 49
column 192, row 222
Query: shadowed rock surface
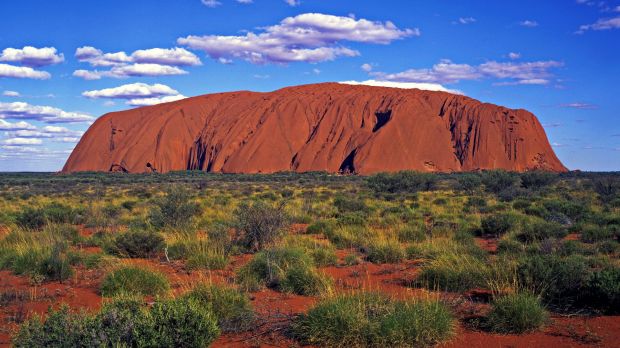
column 322, row 127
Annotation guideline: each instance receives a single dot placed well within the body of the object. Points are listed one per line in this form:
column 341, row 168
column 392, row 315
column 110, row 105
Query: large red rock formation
column 323, row 127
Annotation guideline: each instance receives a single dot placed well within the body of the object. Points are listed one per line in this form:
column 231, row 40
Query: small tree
column 258, row 224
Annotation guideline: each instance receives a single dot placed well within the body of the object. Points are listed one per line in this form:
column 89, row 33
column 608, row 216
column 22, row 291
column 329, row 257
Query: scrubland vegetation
column 185, row 259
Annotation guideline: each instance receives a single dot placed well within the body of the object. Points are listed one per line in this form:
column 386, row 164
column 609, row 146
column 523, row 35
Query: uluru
column 320, row 127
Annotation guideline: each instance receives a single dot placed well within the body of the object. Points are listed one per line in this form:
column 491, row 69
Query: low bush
column 136, row 244
column 373, row 320
column 404, row 181
column 539, row 230
column 258, row 225
column 452, row 272
column 176, row 209
column 594, row 233
column 385, row 252
column 498, row 224
column 288, row 269
column 496, row 181
column 231, row 307
column 30, row 218
column 537, row 179
column 124, row 323
column 516, row 313
column 412, row 232
column 603, row 289
column 134, row 280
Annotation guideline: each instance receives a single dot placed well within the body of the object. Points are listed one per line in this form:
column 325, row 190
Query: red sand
column 276, row 309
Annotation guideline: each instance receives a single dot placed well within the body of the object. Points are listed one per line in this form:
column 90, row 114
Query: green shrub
column 350, row 205
column 498, row 224
column 469, row 182
column 412, row 232
column 61, row 329
column 516, row 313
column 404, row 181
column 305, row 280
column 59, row 213
column 207, row 259
column 30, row 218
column 452, row 272
column 134, row 280
column 560, row 280
column 498, row 180
column 372, row 320
column 603, row 289
column 175, row 209
column 258, row 225
column 178, row 323
column 593, row 234
column 231, row 307
column 538, row 230
column 136, row 244
column 385, row 252
column 320, row 227
column 537, row 179
column 56, row 266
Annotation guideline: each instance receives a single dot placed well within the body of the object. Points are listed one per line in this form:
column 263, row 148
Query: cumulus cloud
column 448, row 72
column 153, row 101
column 48, row 114
column 309, row 37
column 11, row 94
column 528, row 23
column 245, row 1
column 22, row 141
column 21, row 125
column 22, row 72
column 601, row 24
column 211, row 3
column 148, row 62
column 293, row 2
column 404, row 85
column 138, row 94
column 45, row 132
column 514, row 55
column 32, row 56
column 366, row 67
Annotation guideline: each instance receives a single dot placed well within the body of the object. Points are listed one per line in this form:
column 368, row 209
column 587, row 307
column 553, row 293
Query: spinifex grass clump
column 516, row 313
column 134, row 280
column 232, row 307
column 136, row 244
column 288, row 269
column 374, row 320
column 258, row 225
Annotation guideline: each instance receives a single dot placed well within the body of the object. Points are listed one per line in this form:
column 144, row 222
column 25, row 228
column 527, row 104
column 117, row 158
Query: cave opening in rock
column 347, row 166
column 382, row 119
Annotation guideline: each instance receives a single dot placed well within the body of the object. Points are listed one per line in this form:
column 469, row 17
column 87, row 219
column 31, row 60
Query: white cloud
column 293, row 2
column 514, row 55
column 582, row 106
column 448, row 72
column 309, row 37
column 132, row 91
column 21, row 110
column 22, row 141
column 138, row 94
column 528, row 23
column 211, row 3
column 601, row 24
column 22, row 72
column 366, row 67
column 21, row 125
column 466, row 20
column 11, row 94
column 245, row 1
column 149, row 62
column 173, row 56
column 404, row 85
column 153, row 101
column 32, row 56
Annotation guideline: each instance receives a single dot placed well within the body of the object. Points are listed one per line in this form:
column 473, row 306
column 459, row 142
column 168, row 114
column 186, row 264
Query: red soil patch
column 488, row 244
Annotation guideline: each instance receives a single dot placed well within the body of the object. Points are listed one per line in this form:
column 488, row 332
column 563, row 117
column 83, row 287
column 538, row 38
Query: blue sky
column 64, row 63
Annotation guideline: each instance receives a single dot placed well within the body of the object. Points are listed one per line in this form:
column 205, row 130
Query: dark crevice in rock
column 382, row 119
column 347, row 165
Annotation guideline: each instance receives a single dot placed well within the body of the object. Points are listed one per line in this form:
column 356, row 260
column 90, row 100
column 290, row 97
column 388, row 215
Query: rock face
column 323, row 127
